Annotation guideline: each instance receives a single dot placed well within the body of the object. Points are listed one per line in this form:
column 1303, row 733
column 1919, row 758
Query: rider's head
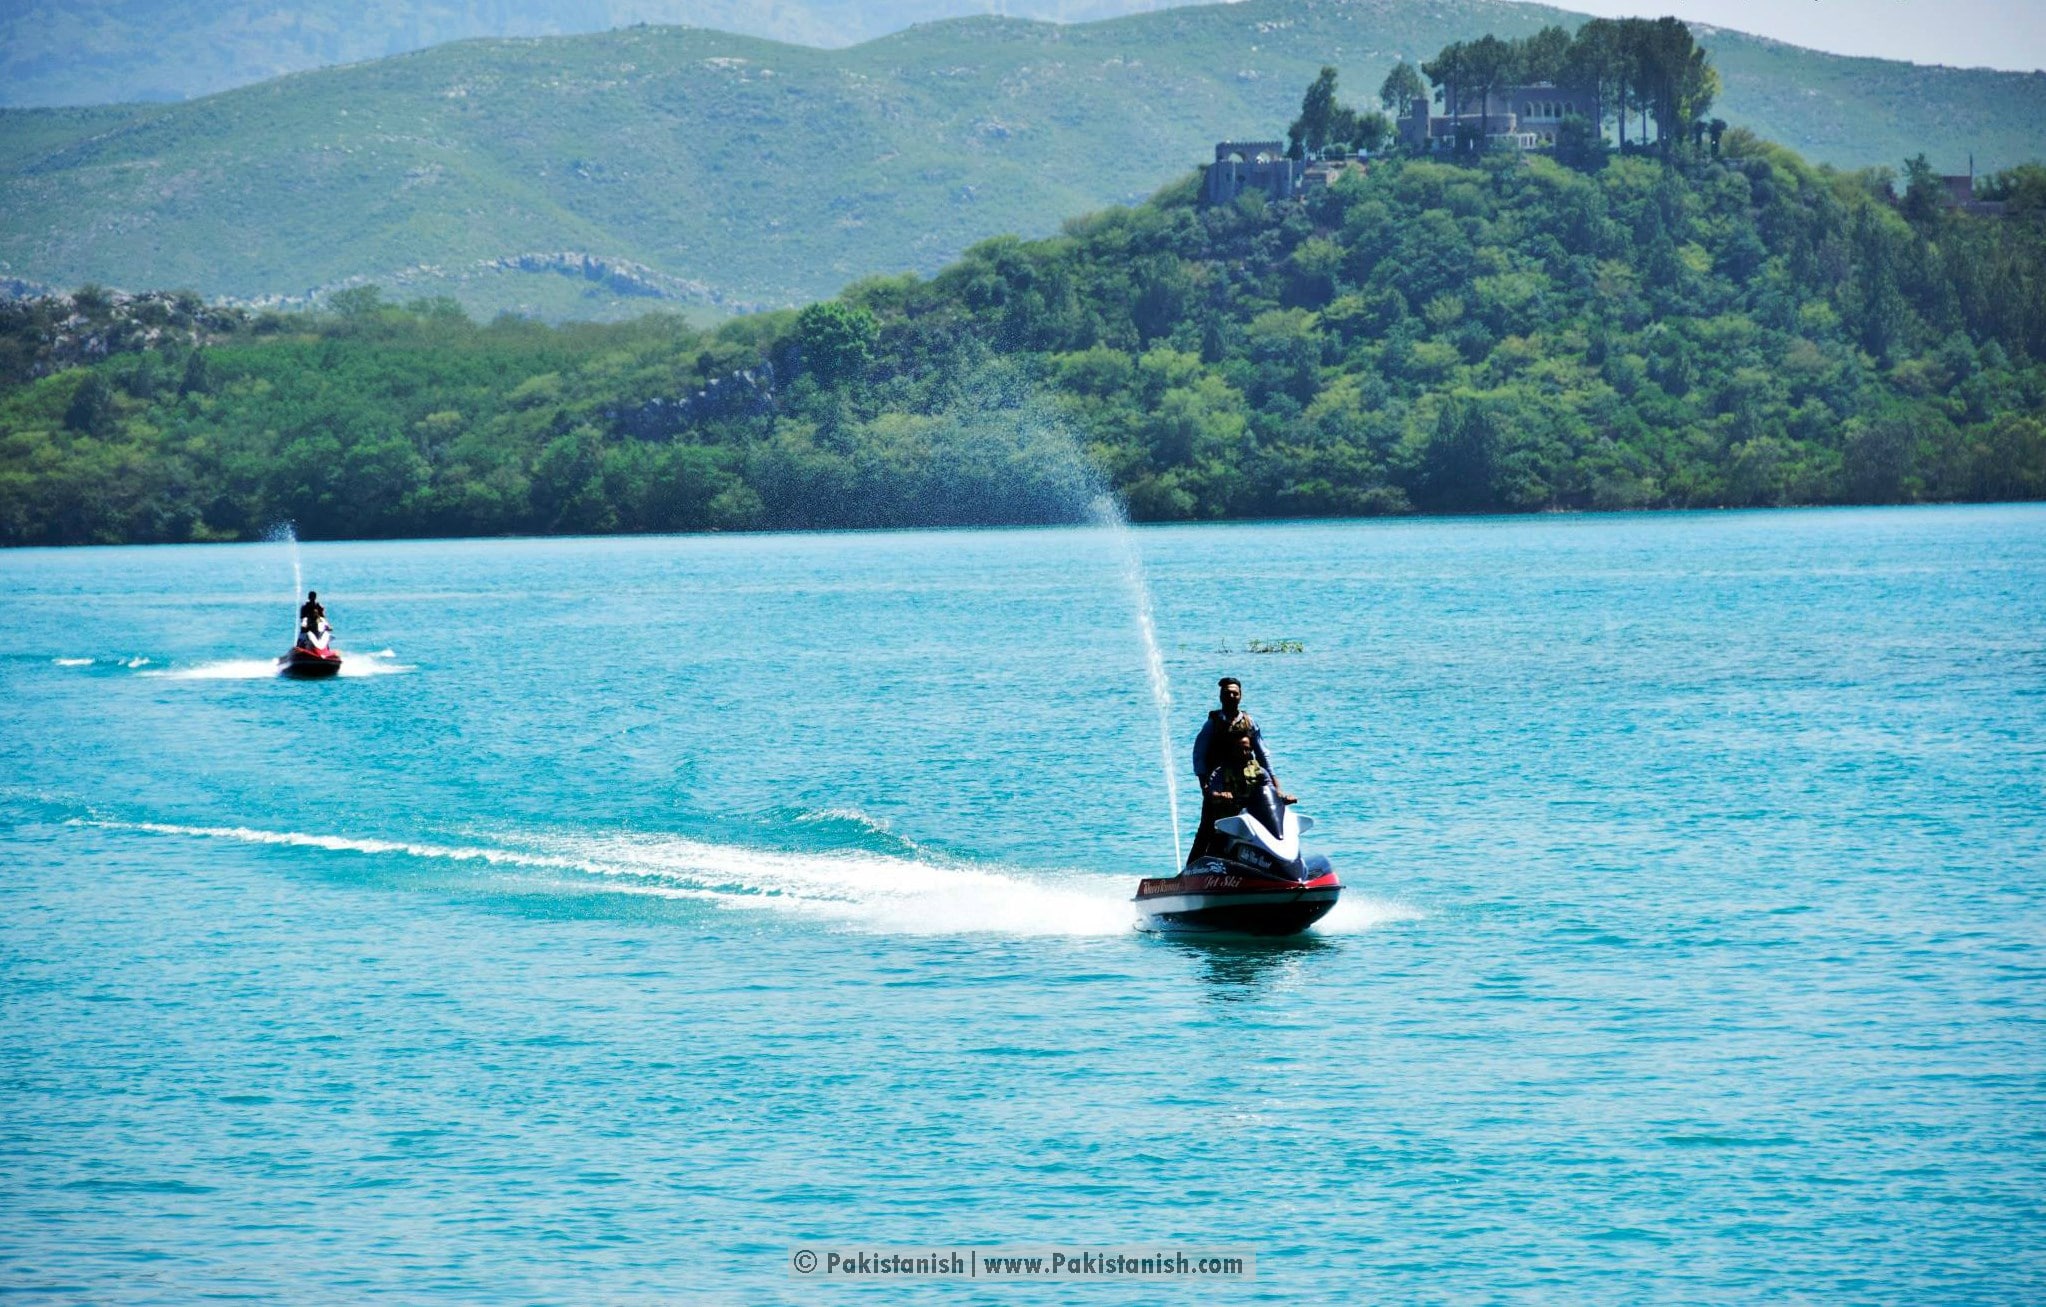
column 311, row 595
column 1240, row 743
column 1232, row 695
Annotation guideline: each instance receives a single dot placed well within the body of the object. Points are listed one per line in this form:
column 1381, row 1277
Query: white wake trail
column 868, row 891
column 874, row 892
column 383, row 662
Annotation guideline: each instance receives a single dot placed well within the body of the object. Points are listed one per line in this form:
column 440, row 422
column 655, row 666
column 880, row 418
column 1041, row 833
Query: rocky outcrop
column 48, row 333
column 619, row 276
column 746, row 393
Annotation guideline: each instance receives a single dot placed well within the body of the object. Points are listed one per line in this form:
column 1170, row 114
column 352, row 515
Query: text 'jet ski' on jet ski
column 1246, row 874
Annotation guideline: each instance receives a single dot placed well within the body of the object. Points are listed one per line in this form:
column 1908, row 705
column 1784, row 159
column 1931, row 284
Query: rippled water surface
column 636, row 910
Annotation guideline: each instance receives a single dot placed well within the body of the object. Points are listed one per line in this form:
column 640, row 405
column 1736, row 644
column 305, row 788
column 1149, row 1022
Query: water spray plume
column 287, row 534
column 1001, row 454
column 1108, row 513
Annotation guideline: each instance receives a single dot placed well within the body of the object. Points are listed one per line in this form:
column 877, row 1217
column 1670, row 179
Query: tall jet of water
column 1031, row 468
column 1110, row 516
column 287, row 534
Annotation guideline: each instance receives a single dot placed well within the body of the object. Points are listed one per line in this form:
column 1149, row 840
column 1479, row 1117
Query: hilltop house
column 1241, row 166
column 1517, row 117
column 1958, row 192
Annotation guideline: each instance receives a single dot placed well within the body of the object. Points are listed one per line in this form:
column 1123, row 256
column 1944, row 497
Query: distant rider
column 312, row 620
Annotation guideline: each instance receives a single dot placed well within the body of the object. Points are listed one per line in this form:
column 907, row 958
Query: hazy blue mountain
column 726, row 170
column 71, row 52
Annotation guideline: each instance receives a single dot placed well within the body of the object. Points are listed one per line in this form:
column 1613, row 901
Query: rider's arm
column 1215, row 784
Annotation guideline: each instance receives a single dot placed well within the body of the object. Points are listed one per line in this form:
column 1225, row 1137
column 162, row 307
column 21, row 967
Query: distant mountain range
column 72, row 52
column 582, row 175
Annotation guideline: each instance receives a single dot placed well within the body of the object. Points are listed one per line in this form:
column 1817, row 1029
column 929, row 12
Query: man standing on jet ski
column 1229, row 763
column 312, row 620
column 1221, row 722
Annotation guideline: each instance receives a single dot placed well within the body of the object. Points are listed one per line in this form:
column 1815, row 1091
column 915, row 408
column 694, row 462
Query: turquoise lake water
column 649, row 907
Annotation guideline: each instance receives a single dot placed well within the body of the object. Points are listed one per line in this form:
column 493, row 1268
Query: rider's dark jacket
column 1208, row 745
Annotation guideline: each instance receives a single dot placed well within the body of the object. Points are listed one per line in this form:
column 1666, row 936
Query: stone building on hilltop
column 1518, row 117
column 1241, row 166
column 1957, row 191
column 1262, row 166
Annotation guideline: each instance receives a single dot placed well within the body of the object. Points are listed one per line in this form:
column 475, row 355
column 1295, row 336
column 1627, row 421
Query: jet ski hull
column 1231, row 901
column 310, row 664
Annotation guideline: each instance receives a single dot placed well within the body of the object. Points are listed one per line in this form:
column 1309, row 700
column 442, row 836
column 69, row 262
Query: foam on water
column 233, row 669
column 857, row 825
column 1354, row 914
column 382, row 662
column 878, row 892
column 875, row 891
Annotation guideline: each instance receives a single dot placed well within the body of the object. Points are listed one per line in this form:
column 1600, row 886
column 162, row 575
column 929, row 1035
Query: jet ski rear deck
column 309, row 664
column 1211, row 896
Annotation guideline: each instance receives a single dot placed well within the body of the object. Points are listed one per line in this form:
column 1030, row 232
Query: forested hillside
column 1504, row 335
column 726, row 173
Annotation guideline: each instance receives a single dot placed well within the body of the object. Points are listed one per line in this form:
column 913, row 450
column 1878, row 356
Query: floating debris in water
column 1275, row 647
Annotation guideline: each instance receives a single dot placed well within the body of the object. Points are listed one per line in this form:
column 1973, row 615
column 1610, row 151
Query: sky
column 1967, row 33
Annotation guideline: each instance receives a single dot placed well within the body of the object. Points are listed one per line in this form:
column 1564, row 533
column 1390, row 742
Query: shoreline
column 1545, row 514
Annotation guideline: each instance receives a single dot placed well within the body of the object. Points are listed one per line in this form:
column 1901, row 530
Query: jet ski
column 312, row 658
column 1250, row 879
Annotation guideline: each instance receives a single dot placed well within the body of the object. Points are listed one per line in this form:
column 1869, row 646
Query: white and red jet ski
column 1251, row 879
column 312, row 657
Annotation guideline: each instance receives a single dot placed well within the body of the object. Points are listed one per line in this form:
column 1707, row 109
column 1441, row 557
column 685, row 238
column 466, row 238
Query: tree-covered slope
column 1511, row 336
column 743, row 172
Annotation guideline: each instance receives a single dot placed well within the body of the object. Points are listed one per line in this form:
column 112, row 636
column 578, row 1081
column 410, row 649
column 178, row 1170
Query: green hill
column 745, row 173
column 77, row 52
column 1515, row 336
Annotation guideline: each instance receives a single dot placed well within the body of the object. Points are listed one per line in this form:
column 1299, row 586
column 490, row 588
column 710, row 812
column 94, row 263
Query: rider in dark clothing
column 1239, row 773
column 1235, row 777
column 1229, row 759
column 1220, row 721
column 312, row 618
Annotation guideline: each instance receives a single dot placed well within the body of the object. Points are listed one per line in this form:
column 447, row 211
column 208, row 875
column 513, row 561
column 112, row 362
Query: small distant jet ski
column 312, row 658
column 1251, row 879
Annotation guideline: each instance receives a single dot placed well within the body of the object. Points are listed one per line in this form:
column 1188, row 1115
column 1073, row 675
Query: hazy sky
column 1968, row 33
